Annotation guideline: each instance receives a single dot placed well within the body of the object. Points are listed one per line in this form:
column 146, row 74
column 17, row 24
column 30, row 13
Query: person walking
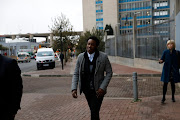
column 170, row 72
column 89, row 74
column 61, row 58
column 10, row 88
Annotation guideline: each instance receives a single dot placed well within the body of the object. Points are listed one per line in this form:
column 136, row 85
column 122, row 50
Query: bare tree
column 63, row 30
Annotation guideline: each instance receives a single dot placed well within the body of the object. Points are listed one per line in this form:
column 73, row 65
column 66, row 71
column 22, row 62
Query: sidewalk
column 117, row 105
column 118, row 71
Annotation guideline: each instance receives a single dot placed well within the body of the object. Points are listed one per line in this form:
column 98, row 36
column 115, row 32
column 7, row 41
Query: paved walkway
column 118, row 70
column 64, row 107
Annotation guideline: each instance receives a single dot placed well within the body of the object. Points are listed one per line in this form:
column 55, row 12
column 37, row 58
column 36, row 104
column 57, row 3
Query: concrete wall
column 89, row 14
column 138, row 63
column 177, row 6
column 177, row 31
column 110, row 14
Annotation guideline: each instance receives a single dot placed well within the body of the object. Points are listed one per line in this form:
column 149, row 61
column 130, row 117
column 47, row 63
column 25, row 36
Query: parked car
column 45, row 58
column 23, row 57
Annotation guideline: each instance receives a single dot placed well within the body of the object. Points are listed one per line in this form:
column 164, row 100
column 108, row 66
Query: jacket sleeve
column 75, row 78
column 108, row 70
column 17, row 88
column 163, row 56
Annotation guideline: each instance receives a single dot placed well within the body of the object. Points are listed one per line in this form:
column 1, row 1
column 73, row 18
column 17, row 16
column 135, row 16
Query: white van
column 45, row 58
column 23, row 57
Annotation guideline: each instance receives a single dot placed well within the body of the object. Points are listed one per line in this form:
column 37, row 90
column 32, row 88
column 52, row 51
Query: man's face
column 91, row 46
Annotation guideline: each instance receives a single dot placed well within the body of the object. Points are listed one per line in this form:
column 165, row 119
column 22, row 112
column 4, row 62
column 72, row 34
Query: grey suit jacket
column 100, row 80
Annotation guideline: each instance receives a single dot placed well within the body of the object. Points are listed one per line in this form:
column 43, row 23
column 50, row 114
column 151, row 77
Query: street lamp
column 134, row 33
column 115, row 40
column 60, row 37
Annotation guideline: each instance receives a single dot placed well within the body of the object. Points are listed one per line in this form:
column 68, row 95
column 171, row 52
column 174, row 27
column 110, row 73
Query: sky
column 34, row 16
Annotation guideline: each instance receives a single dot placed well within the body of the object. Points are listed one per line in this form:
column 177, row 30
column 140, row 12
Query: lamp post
column 116, row 34
column 134, row 34
column 60, row 37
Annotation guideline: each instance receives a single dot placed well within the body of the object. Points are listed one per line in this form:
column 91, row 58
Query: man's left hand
column 100, row 93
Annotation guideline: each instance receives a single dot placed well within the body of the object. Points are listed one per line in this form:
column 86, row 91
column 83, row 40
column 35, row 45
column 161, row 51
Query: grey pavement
column 118, row 71
column 47, row 96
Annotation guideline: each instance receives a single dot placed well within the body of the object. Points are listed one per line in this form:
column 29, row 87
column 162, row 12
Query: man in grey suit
column 89, row 74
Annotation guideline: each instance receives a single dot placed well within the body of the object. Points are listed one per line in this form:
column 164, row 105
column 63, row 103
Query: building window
column 99, row 7
column 156, row 5
column 163, row 3
column 100, row 15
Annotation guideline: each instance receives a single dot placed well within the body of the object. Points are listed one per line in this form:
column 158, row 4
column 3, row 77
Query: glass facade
column 161, row 14
column 148, row 12
column 99, row 14
column 127, row 9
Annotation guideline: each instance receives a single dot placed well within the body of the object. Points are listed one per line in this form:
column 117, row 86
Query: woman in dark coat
column 170, row 72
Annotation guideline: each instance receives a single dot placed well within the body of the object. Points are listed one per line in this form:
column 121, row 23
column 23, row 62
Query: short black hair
column 95, row 39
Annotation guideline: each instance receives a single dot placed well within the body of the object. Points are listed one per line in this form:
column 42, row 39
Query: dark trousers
column 172, row 88
column 94, row 104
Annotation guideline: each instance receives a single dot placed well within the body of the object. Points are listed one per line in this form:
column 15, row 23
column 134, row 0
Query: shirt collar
column 91, row 55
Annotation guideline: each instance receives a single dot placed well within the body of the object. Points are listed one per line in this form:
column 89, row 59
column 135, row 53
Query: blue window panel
column 163, row 7
column 163, row 16
column 139, row 26
column 138, row 17
column 99, row 11
column 100, row 19
column 141, row 8
column 100, row 28
column 123, row 1
column 129, row 18
column 99, row 2
column 124, row 27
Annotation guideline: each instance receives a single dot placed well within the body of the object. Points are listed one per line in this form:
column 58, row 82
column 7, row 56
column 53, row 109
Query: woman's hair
column 171, row 42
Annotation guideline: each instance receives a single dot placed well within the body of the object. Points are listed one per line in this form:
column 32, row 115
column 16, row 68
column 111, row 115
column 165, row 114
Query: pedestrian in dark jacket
column 89, row 74
column 10, row 88
column 170, row 72
column 61, row 56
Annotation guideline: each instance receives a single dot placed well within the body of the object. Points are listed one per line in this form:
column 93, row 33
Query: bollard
column 135, row 87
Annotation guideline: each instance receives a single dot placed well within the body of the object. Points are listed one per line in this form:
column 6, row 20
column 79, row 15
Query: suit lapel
column 98, row 62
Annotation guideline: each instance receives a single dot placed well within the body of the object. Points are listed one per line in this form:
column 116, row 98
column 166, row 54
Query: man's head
column 92, row 44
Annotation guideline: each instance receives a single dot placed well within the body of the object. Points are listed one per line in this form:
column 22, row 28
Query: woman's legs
column 173, row 90
column 164, row 91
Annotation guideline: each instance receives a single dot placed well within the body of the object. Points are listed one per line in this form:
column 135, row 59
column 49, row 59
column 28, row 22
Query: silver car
column 23, row 57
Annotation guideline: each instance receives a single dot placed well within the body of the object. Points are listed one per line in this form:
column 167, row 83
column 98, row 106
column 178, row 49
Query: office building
column 99, row 13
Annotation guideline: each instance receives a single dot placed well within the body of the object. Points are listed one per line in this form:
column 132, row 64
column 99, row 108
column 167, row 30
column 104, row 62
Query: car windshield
column 21, row 55
column 45, row 53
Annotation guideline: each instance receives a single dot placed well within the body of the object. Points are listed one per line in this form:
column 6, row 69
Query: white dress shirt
column 91, row 56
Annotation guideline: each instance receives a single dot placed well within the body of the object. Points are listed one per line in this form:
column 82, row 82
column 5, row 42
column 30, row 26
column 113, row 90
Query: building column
column 13, row 37
column 31, row 36
column 51, row 39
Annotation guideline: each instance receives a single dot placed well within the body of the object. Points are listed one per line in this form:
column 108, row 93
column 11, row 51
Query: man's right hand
column 74, row 93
